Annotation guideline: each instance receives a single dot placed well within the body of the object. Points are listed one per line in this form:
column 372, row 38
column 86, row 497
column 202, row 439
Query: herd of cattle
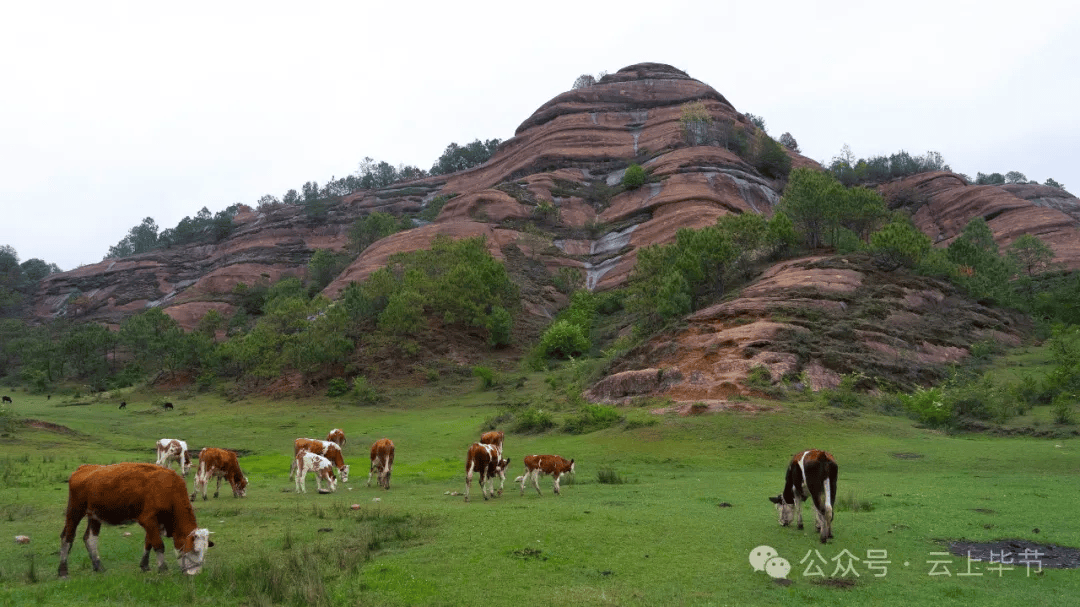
column 156, row 497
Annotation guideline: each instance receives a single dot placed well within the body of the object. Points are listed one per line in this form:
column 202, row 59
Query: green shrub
column 337, row 387
column 759, row 378
column 634, row 177
column 928, row 406
column 363, row 393
column 592, row 418
column 532, row 421
column 564, row 339
column 486, row 375
column 1063, row 408
column 609, row 476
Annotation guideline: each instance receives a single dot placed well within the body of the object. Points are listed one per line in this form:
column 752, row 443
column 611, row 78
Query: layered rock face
column 550, row 199
column 943, row 204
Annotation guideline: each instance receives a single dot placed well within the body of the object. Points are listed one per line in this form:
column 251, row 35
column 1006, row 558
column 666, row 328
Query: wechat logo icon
column 765, row 558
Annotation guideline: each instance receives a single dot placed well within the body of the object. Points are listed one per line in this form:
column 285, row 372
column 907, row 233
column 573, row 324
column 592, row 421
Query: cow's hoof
column 800, row 527
column 215, row 494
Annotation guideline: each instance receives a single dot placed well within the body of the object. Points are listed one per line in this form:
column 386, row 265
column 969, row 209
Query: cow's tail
column 828, row 509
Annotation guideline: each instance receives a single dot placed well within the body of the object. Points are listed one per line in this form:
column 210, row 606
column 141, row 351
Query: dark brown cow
column 495, row 437
column 154, row 497
column 7, row 399
column 327, row 449
column 485, row 460
column 537, row 465
column 167, row 406
column 123, row 405
column 382, row 461
column 814, row 471
column 219, row 463
column 337, row 435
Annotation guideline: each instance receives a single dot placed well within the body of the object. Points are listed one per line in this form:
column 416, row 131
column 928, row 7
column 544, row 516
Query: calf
column 537, row 465
column 337, row 435
column 495, row 437
column 307, row 461
column 219, row 463
column 814, row 471
column 7, row 399
column 154, row 497
column 327, row 449
column 167, row 406
column 171, row 449
column 485, row 460
column 382, row 461
column 123, row 404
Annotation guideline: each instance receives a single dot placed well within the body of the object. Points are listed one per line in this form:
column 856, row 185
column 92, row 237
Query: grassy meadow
column 682, row 505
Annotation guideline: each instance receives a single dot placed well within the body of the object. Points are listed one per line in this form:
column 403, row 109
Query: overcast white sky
column 116, row 111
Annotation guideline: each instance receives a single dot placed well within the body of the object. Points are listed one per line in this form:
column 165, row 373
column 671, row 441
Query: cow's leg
column 502, row 480
column 523, row 478
column 485, row 485
column 798, row 508
column 556, row 483
column 217, row 488
column 468, row 480
column 292, row 469
column 90, row 538
column 536, row 481
column 67, row 537
column 153, row 540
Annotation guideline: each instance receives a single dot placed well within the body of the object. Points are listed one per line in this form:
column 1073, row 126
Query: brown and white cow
column 221, row 464
column 307, row 461
column 538, row 465
column 495, row 437
column 173, row 450
column 382, row 462
column 814, row 471
column 148, row 494
column 337, row 435
column 485, row 460
column 329, row 450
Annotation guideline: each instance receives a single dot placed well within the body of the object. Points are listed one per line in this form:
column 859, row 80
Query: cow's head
column 194, row 551
column 502, row 466
column 571, row 471
column 186, row 466
column 240, row 487
column 344, row 470
column 784, row 510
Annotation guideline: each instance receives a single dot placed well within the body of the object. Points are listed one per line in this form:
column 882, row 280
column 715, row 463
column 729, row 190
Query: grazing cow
column 495, row 437
column 327, row 449
column 538, row 465
column 173, row 450
column 7, row 399
column 382, row 461
column 307, row 461
column 814, row 471
column 167, row 406
column 337, row 435
column 485, row 460
column 154, row 497
column 123, row 404
column 220, row 463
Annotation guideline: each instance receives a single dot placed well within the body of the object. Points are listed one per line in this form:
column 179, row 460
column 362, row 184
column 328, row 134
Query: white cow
column 323, row 468
column 172, row 449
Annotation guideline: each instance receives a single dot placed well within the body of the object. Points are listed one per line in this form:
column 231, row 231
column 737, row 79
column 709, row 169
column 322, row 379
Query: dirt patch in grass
column 835, row 582
column 1022, row 553
column 44, row 425
column 906, row 455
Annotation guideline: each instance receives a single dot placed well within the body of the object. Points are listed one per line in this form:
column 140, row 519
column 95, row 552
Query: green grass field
column 678, row 529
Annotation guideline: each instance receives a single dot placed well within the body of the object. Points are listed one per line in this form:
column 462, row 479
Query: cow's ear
column 775, row 499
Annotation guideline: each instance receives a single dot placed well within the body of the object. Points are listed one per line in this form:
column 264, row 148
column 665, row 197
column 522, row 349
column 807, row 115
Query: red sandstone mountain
column 571, row 152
